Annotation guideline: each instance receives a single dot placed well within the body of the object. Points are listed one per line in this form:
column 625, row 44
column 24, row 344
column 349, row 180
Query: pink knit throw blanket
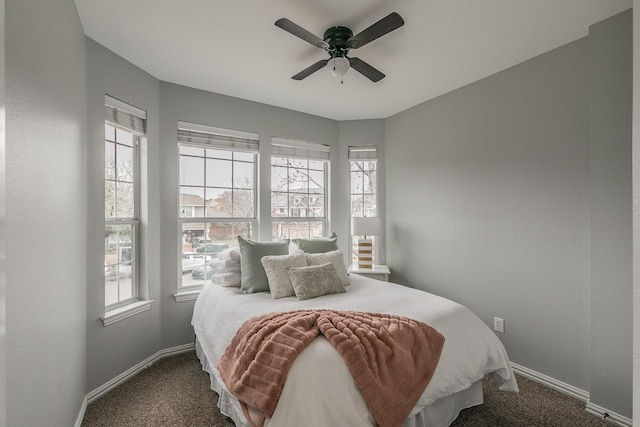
column 391, row 358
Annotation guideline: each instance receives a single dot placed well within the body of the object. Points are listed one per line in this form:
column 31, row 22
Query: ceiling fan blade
column 366, row 70
column 377, row 30
column 310, row 70
column 300, row 32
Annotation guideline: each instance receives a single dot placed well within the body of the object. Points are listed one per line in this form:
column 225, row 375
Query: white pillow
column 276, row 267
column 231, row 253
column 228, row 265
column 334, row 257
column 231, row 280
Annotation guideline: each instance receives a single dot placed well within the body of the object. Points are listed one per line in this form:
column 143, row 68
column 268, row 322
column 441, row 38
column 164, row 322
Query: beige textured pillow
column 276, row 268
column 315, row 280
column 334, row 257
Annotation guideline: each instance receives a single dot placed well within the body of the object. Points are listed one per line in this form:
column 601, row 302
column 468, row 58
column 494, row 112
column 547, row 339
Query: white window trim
column 121, row 313
column 357, row 154
column 187, row 295
column 124, row 309
column 297, row 149
column 204, row 136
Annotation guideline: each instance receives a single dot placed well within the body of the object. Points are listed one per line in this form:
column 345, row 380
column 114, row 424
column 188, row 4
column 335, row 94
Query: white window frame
column 123, row 116
column 296, row 149
column 209, row 137
column 360, row 154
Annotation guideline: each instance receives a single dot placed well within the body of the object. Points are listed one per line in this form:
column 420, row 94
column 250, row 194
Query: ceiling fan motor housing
column 337, row 38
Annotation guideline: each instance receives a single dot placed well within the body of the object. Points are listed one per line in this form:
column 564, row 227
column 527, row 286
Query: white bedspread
column 319, row 390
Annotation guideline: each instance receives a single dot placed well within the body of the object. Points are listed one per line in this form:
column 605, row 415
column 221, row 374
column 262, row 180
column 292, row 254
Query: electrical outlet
column 498, row 324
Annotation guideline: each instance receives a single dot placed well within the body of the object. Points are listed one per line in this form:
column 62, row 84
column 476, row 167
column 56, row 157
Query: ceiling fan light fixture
column 338, row 66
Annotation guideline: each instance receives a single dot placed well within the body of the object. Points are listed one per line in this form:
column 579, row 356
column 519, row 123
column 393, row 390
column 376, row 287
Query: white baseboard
column 553, row 383
column 575, row 392
column 83, row 409
column 129, row 373
column 609, row 416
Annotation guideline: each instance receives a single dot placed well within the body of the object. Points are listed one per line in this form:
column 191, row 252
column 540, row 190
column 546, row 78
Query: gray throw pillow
column 315, row 280
column 276, row 268
column 318, row 245
column 254, row 278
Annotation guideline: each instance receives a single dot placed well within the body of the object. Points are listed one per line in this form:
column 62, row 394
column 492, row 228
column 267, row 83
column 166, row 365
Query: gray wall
column 3, row 254
column 610, row 100
column 46, row 212
column 491, row 207
column 179, row 103
column 500, row 177
column 497, row 175
column 636, row 211
column 114, row 349
column 361, row 132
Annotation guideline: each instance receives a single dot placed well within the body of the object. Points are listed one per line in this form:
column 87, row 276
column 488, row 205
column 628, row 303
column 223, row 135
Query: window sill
column 191, row 295
column 122, row 313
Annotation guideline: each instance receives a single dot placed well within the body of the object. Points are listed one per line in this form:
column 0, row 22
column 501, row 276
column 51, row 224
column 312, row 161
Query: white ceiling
column 232, row 47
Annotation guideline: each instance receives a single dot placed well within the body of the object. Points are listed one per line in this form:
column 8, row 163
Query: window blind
column 123, row 115
column 213, row 137
column 363, row 153
column 299, row 149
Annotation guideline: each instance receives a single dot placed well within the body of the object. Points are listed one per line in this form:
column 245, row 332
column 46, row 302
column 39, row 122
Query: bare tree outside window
column 364, row 185
column 217, row 204
column 120, row 215
column 364, row 188
column 298, row 197
column 238, row 202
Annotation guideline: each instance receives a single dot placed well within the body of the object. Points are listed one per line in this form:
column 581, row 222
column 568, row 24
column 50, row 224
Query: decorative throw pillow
column 254, row 278
column 334, row 257
column 315, row 280
column 318, row 245
column 276, row 268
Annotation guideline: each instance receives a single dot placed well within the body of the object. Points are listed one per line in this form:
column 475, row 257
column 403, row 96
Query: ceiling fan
column 338, row 41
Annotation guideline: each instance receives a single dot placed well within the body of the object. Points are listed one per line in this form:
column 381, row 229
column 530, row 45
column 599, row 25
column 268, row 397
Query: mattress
column 319, row 391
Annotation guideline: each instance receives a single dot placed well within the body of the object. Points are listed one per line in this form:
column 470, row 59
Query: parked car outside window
column 213, row 248
column 190, row 260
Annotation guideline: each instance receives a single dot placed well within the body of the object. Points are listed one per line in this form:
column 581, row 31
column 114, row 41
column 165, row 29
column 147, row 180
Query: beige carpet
column 175, row 392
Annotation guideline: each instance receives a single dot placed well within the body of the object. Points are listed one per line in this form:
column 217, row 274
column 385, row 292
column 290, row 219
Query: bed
column 319, row 390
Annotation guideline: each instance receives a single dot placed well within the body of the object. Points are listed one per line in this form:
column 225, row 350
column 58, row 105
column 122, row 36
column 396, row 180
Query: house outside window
column 363, row 170
column 123, row 129
column 299, row 176
column 217, row 196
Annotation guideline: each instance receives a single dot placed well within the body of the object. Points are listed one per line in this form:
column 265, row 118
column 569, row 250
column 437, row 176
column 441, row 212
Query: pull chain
column 334, row 70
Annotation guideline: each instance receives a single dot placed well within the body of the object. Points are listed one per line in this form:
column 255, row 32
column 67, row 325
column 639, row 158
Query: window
column 363, row 162
column 123, row 129
column 299, row 176
column 364, row 184
column 217, row 196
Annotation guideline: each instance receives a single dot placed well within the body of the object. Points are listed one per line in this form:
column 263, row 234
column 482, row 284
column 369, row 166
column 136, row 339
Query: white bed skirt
column 440, row 413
